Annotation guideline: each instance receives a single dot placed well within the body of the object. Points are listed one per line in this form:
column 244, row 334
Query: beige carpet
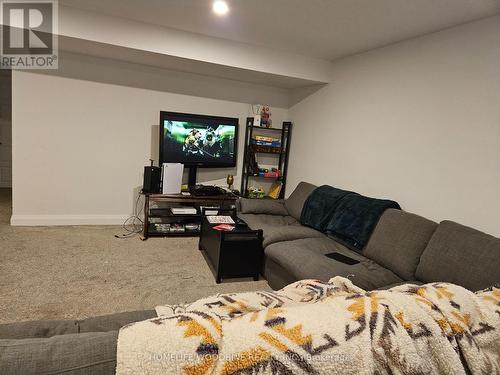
column 81, row 271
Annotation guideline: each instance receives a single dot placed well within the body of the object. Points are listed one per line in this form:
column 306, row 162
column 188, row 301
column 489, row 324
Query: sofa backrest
column 398, row 240
column 461, row 255
column 295, row 202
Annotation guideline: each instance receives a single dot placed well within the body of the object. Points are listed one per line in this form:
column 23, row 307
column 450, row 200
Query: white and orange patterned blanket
column 310, row 327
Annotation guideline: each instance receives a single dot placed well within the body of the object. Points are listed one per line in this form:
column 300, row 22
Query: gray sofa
column 404, row 247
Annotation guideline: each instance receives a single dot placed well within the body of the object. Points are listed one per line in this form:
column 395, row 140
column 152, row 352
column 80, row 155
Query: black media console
column 161, row 221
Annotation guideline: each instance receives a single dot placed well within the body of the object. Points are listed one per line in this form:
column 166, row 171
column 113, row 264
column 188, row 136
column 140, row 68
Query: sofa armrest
column 263, row 206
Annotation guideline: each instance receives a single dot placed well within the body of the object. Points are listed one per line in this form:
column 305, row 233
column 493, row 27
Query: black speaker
column 152, row 180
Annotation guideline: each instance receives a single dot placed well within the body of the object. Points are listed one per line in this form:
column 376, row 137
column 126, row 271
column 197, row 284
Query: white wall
column 79, row 146
column 417, row 121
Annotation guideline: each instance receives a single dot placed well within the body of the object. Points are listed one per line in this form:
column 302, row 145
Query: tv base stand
column 161, row 221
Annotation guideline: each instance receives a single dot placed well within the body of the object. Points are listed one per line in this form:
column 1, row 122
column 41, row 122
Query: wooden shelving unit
column 281, row 153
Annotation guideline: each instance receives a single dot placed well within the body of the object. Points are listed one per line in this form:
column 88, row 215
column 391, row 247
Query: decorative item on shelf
column 265, row 117
column 256, row 193
column 256, row 120
column 230, row 181
column 275, row 190
column 255, row 108
column 273, row 173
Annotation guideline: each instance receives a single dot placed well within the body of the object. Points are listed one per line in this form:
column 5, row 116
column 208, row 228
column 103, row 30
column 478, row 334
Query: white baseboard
column 47, row 220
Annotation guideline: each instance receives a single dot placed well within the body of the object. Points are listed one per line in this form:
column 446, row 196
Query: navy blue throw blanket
column 348, row 216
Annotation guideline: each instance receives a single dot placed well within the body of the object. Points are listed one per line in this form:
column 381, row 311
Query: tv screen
column 198, row 140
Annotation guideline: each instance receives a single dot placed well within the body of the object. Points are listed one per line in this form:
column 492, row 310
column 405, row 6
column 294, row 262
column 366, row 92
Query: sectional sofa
column 403, row 248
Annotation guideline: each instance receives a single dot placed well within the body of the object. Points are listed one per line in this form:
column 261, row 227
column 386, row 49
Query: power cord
column 133, row 224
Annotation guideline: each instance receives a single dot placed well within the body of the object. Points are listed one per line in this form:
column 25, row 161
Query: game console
column 206, row 190
column 172, row 178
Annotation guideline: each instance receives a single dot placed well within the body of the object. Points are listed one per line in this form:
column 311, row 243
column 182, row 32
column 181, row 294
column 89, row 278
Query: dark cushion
column 305, row 259
column 461, row 255
column 263, row 206
column 398, row 241
column 295, row 202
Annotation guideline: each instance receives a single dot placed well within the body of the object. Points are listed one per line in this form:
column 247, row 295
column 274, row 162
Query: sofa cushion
column 276, row 275
column 113, row 322
column 49, row 328
column 295, row 202
column 279, row 228
column 461, row 255
column 305, row 259
column 273, row 234
column 398, row 241
column 82, row 353
column 258, row 221
column 38, row 329
column 263, row 206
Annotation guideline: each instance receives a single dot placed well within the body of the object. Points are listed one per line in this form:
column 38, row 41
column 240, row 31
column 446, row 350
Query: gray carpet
column 82, row 271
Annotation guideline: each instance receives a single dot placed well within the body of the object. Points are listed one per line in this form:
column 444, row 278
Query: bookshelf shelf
column 252, row 149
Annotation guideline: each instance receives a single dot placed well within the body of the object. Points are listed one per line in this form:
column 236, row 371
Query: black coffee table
column 231, row 254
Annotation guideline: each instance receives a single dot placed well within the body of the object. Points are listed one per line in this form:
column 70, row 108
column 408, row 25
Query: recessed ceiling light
column 220, row 7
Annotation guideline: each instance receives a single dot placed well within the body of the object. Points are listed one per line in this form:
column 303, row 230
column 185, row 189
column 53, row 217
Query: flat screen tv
column 198, row 140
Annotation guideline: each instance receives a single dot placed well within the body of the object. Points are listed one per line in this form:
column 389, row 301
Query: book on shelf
column 264, row 143
column 265, row 138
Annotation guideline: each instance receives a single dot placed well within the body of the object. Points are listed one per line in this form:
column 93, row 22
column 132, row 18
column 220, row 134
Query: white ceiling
column 327, row 29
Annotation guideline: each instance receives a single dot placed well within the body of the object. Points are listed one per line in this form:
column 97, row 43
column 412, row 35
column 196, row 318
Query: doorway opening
column 5, row 144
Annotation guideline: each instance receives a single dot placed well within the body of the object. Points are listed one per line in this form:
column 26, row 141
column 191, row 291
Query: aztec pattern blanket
column 310, row 327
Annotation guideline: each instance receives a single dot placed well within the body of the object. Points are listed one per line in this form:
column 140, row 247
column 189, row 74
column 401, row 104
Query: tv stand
column 193, row 170
column 157, row 210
